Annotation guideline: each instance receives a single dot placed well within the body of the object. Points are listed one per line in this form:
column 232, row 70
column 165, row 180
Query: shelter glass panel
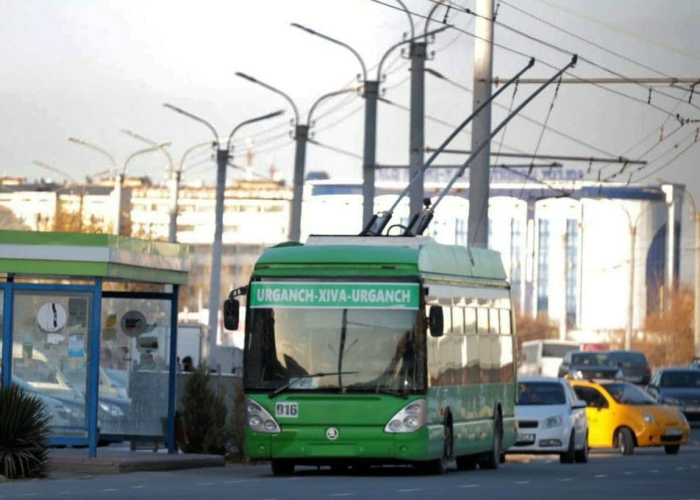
column 134, row 368
column 51, row 342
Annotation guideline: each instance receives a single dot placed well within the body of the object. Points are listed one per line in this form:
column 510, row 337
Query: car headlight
column 671, row 401
column 683, row 418
column 618, row 374
column 648, row 418
column 550, row 422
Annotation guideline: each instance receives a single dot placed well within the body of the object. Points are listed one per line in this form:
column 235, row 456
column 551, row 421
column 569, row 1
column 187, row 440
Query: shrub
column 236, row 425
column 204, row 415
column 24, row 430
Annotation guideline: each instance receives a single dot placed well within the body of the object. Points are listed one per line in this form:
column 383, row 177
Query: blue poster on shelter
column 76, row 345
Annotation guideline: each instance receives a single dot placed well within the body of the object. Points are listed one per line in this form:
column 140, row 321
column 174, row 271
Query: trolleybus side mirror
column 231, row 314
column 435, row 321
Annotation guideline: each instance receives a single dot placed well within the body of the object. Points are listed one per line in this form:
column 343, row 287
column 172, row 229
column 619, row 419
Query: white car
column 551, row 420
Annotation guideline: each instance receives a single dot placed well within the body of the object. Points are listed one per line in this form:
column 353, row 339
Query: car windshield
column 592, row 359
column 540, row 393
column 629, row 357
column 629, row 394
column 556, row 350
column 687, row 379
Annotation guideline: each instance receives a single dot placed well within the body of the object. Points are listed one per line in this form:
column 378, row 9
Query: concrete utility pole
column 371, row 95
column 477, row 226
column 222, row 158
column 301, row 137
column 418, row 53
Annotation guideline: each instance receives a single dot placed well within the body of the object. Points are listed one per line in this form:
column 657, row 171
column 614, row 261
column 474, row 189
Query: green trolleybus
column 365, row 350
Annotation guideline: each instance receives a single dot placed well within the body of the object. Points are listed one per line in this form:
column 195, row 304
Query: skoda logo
column 332, row 433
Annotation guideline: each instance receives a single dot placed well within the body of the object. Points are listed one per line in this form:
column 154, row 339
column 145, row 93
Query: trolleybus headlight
column 409, row 419
column 259, row 420
column 411, row 422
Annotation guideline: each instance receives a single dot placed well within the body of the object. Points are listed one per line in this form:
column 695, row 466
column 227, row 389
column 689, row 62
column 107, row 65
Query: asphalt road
column 648, row 474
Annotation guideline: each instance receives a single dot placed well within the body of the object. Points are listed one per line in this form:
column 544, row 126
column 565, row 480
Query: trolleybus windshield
column 332, row 336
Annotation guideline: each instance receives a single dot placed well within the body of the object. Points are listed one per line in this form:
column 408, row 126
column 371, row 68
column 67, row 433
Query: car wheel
column 439, row 465
column 569, row 455
column 582, row 454
column 625, row 441
column 672, row 449
column 282, row 467
column 492, row 459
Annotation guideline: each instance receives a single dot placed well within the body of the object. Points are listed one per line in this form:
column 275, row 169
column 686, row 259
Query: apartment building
column 576, row 251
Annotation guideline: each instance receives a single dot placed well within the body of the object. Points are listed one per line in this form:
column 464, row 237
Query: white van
column 543, row 357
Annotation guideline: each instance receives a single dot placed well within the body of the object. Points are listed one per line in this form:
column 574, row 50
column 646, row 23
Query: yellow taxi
column 621, row 415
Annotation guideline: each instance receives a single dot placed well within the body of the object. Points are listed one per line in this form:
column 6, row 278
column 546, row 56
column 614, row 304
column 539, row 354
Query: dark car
column 634, row 366
column 679, row 387
column 589, row 365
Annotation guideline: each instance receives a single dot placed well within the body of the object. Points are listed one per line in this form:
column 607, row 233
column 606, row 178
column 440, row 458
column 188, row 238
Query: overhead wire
column 535, row 122
column 585, row 40
column 334, row 149
column 619, row 30
column 659, row 108
column 628, row 59
column 589, row 61
column 681, row 153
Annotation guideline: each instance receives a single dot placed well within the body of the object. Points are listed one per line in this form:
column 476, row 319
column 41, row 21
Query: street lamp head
column 77, row 141
column 175, row 108
column 272, row 115
column 247, row 77
column 304, row 28
column 195, row 118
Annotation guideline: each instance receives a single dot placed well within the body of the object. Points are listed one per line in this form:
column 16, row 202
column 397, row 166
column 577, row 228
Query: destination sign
column 335, row 295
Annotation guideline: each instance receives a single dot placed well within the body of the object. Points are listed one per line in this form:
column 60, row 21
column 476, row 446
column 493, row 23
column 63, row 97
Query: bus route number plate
column 287, row 410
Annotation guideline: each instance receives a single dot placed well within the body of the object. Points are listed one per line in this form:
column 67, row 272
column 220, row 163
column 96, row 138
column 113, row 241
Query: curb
column 96, row 466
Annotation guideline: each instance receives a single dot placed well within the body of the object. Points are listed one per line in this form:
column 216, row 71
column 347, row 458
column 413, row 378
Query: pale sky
column 90, row 68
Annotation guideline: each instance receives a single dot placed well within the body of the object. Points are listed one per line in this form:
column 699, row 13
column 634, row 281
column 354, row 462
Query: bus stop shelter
column 89, row 324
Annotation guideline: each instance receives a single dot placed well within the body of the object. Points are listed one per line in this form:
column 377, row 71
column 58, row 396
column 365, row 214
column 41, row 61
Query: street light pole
column 119, row 180
column 301, row 137
column 418, row 52
column 173, row 184
column 222, row 159
column 633, row 228
column 371, row 95
column 120, row 173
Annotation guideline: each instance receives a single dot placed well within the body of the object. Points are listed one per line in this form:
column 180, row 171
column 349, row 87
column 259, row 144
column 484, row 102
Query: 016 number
column 289, row 410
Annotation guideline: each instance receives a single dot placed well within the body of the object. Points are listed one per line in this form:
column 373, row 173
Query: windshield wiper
column 313, row 375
